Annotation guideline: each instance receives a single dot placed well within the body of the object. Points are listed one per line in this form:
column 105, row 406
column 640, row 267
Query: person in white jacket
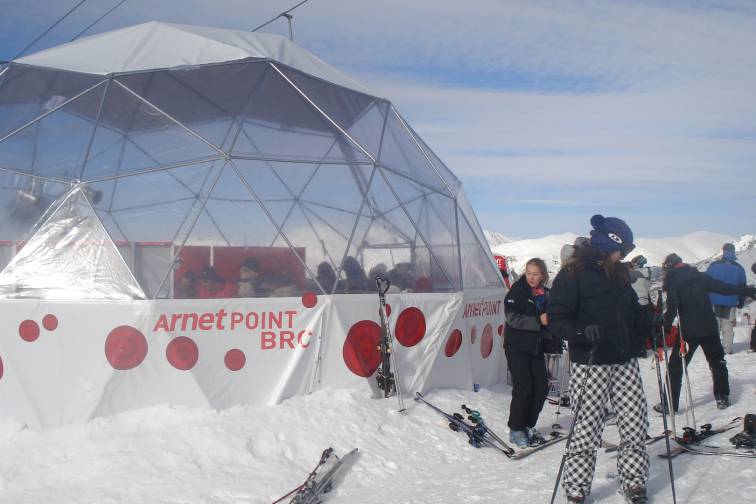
column 640, row 279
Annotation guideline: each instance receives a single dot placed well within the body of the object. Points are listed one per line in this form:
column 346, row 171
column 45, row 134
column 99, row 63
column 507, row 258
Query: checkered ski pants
column 622, row 385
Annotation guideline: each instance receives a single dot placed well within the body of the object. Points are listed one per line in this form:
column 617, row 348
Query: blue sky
column 548, row 111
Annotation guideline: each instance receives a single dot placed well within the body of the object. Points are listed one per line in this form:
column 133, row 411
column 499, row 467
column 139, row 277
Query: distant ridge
column 693, row 248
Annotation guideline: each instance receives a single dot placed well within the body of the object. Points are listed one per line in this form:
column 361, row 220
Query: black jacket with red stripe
column 688, row 296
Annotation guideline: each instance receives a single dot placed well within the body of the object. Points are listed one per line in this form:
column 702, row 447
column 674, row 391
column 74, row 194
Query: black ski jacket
column 591, row 298
column 524, row 330
column 688, row 295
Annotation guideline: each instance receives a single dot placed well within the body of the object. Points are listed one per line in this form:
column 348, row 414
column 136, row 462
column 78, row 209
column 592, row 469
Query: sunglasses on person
column 626, row 248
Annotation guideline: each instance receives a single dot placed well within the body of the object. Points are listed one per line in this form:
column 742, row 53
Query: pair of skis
column 480, row 435
column 692, row 441
column 386, row 377
column 612, row 447
column 729, row 451
column 321, row 479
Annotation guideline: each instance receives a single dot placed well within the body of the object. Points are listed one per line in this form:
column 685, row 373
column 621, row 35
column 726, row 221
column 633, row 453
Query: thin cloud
column 551, row 202
column 644, row 107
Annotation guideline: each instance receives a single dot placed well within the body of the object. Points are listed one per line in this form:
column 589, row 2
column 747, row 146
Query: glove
column 592, row 333
column 751, row 292
column 551, row 344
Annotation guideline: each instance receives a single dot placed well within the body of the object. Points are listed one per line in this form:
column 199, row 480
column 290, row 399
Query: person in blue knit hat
column 611, row 235
column 594, row 307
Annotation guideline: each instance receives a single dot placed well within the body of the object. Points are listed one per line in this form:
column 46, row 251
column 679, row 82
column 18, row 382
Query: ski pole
column 397, row 385
column 578, row 407
column 563, row 373
column 668, row 400
column 664, row 415
column 689, row 394
column 681, row 354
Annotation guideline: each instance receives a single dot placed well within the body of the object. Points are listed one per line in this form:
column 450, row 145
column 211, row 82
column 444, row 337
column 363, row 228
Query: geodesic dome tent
column 242, row 140
column 135, row 159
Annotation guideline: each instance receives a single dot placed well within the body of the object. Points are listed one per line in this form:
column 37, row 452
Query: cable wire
column 56, row 23
column 82, row 32
column 283, row 14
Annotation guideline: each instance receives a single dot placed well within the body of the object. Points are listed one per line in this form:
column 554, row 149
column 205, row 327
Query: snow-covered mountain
column 495, row 239
column 547, row 248
column 693, row 248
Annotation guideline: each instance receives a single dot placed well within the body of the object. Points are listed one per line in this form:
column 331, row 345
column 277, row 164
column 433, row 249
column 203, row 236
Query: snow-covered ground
column 176, row 455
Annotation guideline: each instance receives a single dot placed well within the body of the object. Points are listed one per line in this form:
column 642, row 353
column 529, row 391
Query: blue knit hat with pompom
column 611, row 234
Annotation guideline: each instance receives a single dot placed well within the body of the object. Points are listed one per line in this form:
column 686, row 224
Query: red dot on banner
column 309, row 299
column 235, row 359
column 182, row 353
column 501, row 330
column 486, row 341
column 28, row 330
column 453, row 342
column 388, row 311
column 1, row 368
column 360, row 352
column 473, row 335
column 50, row 322
column 125, row 347
column 410, row 327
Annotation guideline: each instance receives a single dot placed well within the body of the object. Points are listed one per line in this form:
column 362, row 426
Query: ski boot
column 535, row 438
column 576, row 498
column 662, row 408
column 519, row 438
column 635, row 495
column 723, row 402
column 747, row 438
column 744, row 440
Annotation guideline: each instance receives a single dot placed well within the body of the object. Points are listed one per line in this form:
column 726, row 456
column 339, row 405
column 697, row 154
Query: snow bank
column 176, row 455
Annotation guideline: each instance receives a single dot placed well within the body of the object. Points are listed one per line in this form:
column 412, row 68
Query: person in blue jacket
column 727, row 270
column 753, row 331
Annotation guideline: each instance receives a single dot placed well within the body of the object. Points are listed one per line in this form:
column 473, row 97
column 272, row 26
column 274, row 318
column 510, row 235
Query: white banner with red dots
column 67, row 362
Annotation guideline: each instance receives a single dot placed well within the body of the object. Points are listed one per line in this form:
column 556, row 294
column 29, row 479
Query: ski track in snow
column 246, row 455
